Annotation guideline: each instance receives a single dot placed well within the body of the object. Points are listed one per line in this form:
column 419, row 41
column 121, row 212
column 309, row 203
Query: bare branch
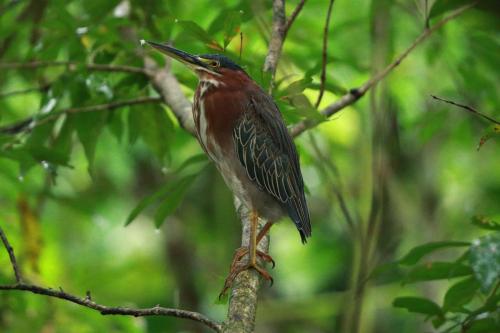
column 277, row 38
column 294, row 15
column 355, row 94
column 103, row 309
column 12, row 257
column 324, row 55
column 71, row 65
column 467, row 108
column 33, row 121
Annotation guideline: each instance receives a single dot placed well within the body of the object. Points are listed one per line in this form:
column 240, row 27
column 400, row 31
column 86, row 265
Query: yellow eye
column 214, row 63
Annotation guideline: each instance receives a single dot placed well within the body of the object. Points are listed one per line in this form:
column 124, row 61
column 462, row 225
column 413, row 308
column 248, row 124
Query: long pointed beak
column 188, row 59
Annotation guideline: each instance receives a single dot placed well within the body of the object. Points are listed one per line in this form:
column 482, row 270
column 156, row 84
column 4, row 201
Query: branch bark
column 355, row 94
column 89, row 303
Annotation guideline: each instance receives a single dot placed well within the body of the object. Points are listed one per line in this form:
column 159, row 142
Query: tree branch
column 324, row 55
column 355, row 94
column 277, row 39
column 468, row 108
column 170, row 90
column 103, row 309
column 33, row 121
column 71, row 65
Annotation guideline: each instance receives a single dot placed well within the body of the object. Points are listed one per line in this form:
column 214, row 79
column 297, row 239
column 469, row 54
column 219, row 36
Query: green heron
column 241, row 129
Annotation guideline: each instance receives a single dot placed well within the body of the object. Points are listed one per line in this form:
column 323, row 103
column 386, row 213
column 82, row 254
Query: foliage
column 394, row 170
column 471, row 304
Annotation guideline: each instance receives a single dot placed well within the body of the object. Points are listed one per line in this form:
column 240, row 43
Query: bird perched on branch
column 242, row 131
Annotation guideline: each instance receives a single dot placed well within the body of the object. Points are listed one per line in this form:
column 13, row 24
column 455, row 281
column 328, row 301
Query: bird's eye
column 214, row 63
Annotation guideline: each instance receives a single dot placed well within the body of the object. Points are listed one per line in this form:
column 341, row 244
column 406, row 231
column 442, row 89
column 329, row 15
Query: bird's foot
column 238, row 266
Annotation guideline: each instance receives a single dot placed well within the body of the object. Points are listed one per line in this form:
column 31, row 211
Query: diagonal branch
column 294, row 15
column 468, row 108
column 71, row 65
column 89, row 303
column 324, row 55
column 355, row 94
column 277, row 38
column 33, row 121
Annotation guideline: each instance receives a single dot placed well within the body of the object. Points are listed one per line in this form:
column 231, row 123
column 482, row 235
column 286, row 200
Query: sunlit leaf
column 193, row 29
column 232, row 24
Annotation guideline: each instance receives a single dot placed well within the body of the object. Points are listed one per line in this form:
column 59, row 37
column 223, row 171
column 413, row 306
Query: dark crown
column 224, row 61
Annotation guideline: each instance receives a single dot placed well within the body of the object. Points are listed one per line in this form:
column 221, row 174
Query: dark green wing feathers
column 269, row 156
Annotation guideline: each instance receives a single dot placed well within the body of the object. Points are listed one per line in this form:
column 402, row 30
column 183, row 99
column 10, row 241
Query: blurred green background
column 406, row 166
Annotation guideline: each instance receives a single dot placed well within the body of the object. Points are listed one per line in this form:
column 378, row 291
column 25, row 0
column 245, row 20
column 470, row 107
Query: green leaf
column 485, row 260
column 153, row 125
column 460, row 294
column 294, row 88
column 178, row 179
column 484, row 325
column 173, row 198
column 437, row 271
column 199, row 33
column 485, row 223
column 88, row 128
column 418, row 305
column 232, row 24
column 417, row 253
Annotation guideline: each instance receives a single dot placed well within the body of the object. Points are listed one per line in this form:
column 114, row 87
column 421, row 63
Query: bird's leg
column 237, row 266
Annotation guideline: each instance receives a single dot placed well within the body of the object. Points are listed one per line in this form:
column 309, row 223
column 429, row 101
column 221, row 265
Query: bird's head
column 207, row 66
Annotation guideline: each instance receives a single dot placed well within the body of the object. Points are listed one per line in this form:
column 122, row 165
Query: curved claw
column 237, row 267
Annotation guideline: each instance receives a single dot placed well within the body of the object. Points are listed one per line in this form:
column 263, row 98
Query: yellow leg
column 237, row 266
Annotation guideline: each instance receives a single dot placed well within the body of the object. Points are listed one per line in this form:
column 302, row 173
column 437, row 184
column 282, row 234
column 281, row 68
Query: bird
column 241, row 129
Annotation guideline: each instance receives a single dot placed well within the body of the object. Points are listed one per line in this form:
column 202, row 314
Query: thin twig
column 25, row 91
column 355, row 94
column 12, row 257
column 73, row 66
column 33, row 121
column 103, row 309
column 467, row 108
column 324, row 55
column 294, row 15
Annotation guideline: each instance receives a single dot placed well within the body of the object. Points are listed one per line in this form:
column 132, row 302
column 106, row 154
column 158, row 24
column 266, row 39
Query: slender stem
column 294, row 15
column 72, row 66
column 467, row 108
column 29, row 123
column 324, row 55
column 12, row 257
column 355, row 94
